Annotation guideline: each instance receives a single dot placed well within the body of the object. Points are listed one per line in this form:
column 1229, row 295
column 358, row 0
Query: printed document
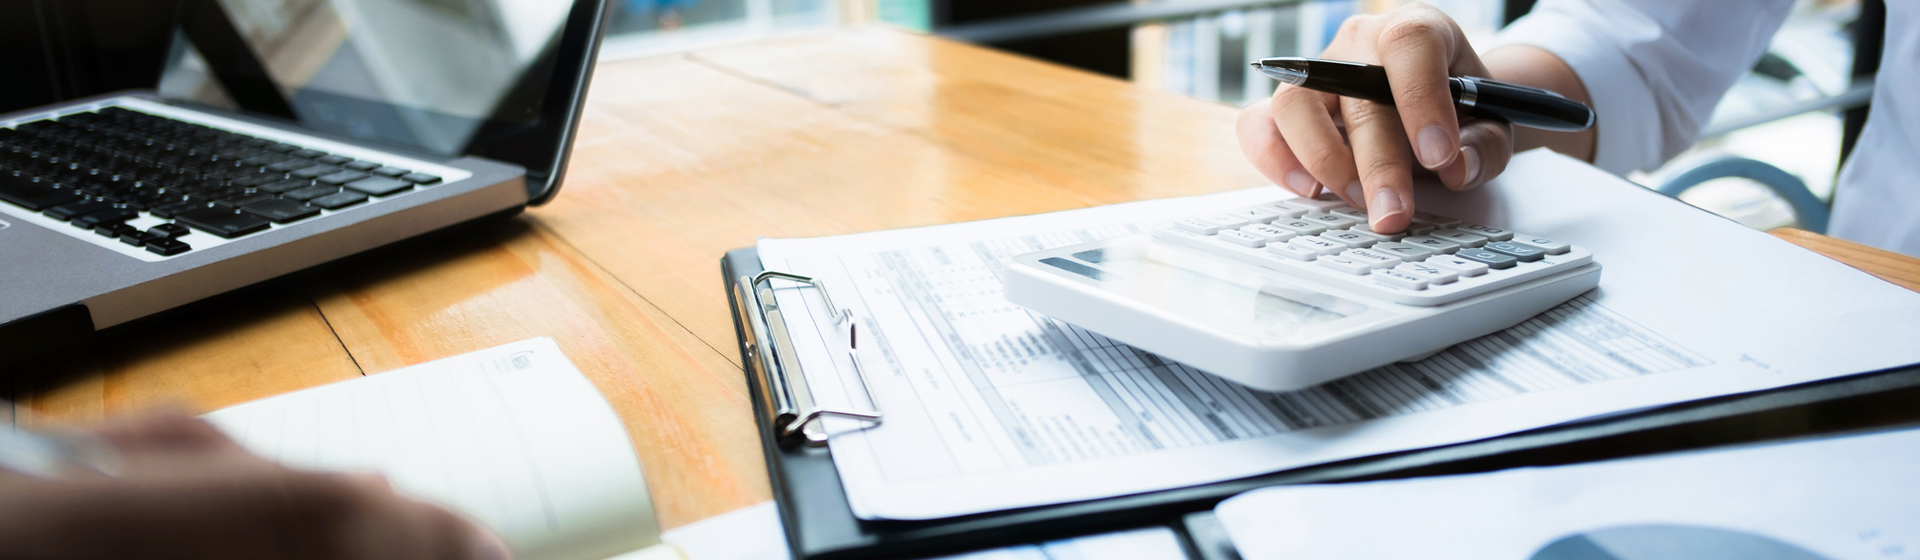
column 511, row 436
column 990, row 407
column 1842, row 498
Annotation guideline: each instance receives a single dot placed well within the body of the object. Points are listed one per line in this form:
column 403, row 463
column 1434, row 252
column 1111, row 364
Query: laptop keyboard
column 100, row 170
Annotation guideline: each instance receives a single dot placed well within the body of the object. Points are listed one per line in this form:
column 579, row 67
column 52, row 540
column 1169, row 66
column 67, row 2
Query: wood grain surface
column 680, row 158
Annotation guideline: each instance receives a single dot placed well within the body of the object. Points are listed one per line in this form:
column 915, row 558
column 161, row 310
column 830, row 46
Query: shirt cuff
column 1626, row 118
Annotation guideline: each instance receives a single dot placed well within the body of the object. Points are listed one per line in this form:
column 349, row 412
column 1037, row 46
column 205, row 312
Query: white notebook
column 513, row 437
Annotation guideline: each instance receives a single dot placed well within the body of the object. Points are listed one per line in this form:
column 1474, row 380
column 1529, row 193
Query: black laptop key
column 379, row 186
column 116, row 229
column 339, row 200
column 167, row 247
column 290, row 164
column 390, row 171
column 420, row 178
column 283, row 211
column 286, row 186
column 362, row 166
column 135, row 238
column 312, row 192
column 239, row 200
column 94, row 220
column 168, row 230
column 32, row 196
column 281, row 148
column 257, row 179
column 316, row 171
column 76, row 209
column 342, row 177
column 334, row 160
column 224, row 222
column 269, row 159
column 309, row 154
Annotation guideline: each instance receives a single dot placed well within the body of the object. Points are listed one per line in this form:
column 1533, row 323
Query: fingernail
column 1472, row 159
column 1300, row 183
column 1356, row 195
column 1385, row 203
column 488, row 546
column 1433, row 147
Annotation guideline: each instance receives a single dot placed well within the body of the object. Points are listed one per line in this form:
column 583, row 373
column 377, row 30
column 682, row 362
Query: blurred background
column 1788, row 113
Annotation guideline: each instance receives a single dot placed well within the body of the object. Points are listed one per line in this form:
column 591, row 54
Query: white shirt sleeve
column 1654, row 68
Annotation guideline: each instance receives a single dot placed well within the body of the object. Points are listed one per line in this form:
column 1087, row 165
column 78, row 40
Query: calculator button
column 1285, row 211
column 1291, row 251
column 1362, row 227
column 1268, row 233
column 1493, row 260
column 1322, row 203
column 1330, row 220
column 1550, row 246
column 1464, row 267
column 1372, row 258
column 1255, row 214
column 1317, row 245
column 1348, row 238
column 1245, row 239
column 1399, row 280
column 1461, row 238
column 1345, row 264
column 1408, row 253
column 1430, row 243
column 1197, row 226
column 1435, row 222
column 1224, row 220
column 1522, row 251
column 1298, row 226
column 1350, row 213
column 1492, row 233
column 1434, row 275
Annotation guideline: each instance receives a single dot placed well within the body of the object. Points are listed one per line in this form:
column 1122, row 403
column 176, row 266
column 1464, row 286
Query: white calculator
column 1292, row 293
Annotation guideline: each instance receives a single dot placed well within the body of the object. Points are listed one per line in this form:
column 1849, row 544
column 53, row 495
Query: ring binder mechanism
column 776, row 367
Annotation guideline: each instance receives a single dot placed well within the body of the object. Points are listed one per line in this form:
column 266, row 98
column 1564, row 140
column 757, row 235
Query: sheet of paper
column 1843, row 498
column 511, row 436
column 989, row 407
column 754, row 533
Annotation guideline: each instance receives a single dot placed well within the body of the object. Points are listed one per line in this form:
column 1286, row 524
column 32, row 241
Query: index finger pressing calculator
column 1292, row 293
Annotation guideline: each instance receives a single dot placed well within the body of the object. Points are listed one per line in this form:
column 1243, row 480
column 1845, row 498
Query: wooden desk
column 679, row 159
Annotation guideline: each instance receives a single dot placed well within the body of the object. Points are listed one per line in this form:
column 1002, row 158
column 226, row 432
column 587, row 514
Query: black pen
column 1479, row 97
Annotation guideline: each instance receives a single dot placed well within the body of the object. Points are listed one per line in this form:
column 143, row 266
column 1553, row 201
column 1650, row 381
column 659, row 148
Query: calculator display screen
column 1208, row 291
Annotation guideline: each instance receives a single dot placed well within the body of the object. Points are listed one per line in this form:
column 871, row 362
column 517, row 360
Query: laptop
column 264, row 138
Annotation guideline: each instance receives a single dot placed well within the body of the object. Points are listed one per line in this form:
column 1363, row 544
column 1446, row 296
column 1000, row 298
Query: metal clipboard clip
column 777, row 369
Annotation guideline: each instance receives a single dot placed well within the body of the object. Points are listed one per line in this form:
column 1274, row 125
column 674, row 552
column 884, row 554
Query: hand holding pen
column 1420, row 116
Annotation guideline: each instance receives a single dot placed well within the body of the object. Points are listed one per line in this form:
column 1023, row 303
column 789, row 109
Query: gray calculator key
column 1317, row 245
column 1285, row 211
column 1332, row 221
column 1349, row 239
column 1322, row 203
column 1522, row 251
column 1242, row 238
column 1466, row 268
column 1365, row 228
column 1201, row 227
column 1406, row 252
column 1346, row 264
column 1436, row 222
column 1224, row 220
column 1432, row 274
column 1550, row 246
column 1254, row 214
column 1431, row 243
column 1399, row 280
column 1462, row 238
column 1292, row 251
column 1299, row 226
column 1351, row 213
column 1268, row 233
column 1492, row 233
column 1373, row 259
column 1493, row 260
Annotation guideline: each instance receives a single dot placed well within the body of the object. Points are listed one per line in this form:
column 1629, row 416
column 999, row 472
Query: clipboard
column 820, row 525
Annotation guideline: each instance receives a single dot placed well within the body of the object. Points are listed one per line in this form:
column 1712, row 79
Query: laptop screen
column 494, row 78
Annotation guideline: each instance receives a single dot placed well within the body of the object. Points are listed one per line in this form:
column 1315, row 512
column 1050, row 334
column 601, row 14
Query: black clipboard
column 820, row 525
